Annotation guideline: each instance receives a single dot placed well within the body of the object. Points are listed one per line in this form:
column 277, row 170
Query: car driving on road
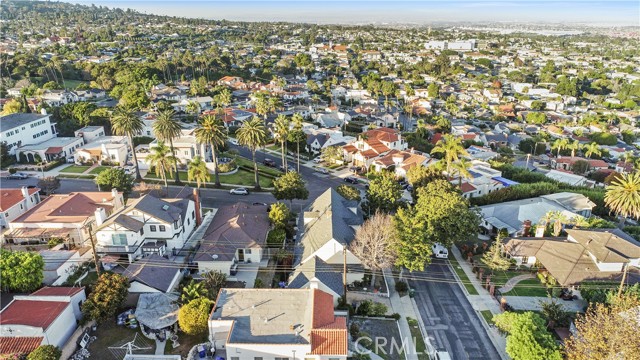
column 18, row 176
column 239, row 191
column 351, row 179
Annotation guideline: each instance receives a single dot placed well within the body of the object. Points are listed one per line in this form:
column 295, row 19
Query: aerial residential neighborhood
column 319, row 180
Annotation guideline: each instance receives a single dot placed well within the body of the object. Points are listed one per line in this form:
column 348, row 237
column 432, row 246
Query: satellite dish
column 214, row 256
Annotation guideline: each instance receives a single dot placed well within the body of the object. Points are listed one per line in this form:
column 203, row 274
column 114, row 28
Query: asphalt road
column 449, row 318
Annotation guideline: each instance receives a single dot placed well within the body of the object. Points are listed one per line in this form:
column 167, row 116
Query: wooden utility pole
column 624, row 275
column 344, row 272
column 93, row 248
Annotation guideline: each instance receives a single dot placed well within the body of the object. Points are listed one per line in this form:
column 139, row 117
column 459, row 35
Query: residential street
column 449, row 318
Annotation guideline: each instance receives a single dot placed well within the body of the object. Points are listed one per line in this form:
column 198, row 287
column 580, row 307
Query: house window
column 193, row 214
column 162, row 228
column 21, row 207
column 525, row 259
column 235, row 358
column 257, row 358
column 119, row 239
column 188, row 221
column 152, row 228
column 247, row 251
column 281, row 358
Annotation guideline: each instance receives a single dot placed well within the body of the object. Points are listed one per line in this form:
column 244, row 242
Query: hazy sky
column 625, row 12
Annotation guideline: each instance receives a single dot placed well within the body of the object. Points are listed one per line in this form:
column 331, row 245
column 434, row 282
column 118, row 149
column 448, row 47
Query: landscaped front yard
column 75, row 169
column 241, row 177
column 98, row 169
column 109, row 335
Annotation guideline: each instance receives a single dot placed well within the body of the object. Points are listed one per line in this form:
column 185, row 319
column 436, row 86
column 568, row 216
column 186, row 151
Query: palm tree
column 461, row 168
column 590, row 149
column 198, row 171
column 193, row 290
column 167, row 128
column 281, row 130
column 558, row 219
column 252, row 134
column 574, row 146
column 124, row 122
column 212, row 132
column 161, row 158
column 560, row 144
column 225, row 97
column 623, row 196
column 193, row 108
column 451, row 148
column 297, row 135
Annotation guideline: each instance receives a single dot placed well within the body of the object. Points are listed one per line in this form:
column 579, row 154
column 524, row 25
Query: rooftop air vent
column 165, row 207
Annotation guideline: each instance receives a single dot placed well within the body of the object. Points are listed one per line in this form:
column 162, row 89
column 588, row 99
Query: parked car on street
column 239, row 191
column 18, row 176
column 269, row 162
column 440, row 251
column 351, row 179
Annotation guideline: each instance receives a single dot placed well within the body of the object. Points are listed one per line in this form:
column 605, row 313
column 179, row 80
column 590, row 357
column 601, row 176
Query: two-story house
column 400, row 161
column 250, row 324
column 147, row 225
column 330, row 223
column 15, row 202
column 63, row 216
column 25, row 129
column 372, row 144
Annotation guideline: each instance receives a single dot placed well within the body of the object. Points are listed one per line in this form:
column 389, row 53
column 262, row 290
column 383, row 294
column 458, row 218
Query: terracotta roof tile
column 329, row 342
column 67, row 208
column 39, row 314
column 466, row 187
column 19, row 344
column 58, row 291
column 11, row 197
column 322, row 309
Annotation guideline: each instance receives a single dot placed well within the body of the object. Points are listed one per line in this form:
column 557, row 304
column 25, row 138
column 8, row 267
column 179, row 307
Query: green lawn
column 241, row 177
column 97, row 170
column 421, row 347
column 528, row 287
column 72, row 84
column 487, row 315
column 75, row 169
column 274, row 147
column 463, row 277
column 268, row 170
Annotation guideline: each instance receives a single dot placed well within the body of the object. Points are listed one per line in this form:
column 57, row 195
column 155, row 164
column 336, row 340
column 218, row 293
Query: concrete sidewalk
column 404, row 307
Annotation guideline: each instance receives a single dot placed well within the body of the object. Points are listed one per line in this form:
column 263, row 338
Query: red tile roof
column 11, row 197
column 436, row 137
column 383, row 134
column 466, row 187
column 67, row 208
column 57, row 291
column 329, row 342
column 19, row 344
column 322, row 309
column 34, row 313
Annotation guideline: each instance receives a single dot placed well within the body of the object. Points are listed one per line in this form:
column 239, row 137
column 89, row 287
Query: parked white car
column 233, row 141
column 239, row 191
column 440, row 251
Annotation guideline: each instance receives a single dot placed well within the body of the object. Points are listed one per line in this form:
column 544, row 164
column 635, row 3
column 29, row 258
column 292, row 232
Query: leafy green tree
column 134, row 96
column 193, row 290
column 559, row 145
column 530, row 146
column 279, row 214
column 12, row 106
column 106, row 297
column 21, row 271
column 536, row 117
column 166, row 128
column 198, row 171
column 623, row 196
column 212, row 132
column 115, row 178
column 580, row 167
column 125, row 122
column 440, row 215
column 331, row 154
column 252, row 134
column 384, row 193
column 494, row 259
column 290, row 186
column 419, row 176
column 433, row 90
column 162, row 159
column 49, row 184
column 592, row 149
column 555, row 313
column 528, row 337
column 349, row 192
column 193, row 316
column 45, row 352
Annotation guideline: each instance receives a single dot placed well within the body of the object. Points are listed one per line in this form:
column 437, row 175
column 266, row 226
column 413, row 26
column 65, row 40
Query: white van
column 440, row 251
column 443, row 355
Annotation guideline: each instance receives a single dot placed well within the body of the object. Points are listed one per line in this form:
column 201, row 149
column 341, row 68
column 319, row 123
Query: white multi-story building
column 21, row 129
column 147, row 225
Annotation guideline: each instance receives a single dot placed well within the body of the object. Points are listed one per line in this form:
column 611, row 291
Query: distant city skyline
column 621, row 13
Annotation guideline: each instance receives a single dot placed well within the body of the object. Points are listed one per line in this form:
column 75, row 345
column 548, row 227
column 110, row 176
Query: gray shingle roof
column 155, row 207
column 153, row 271
column 333, row 220
column 11, row 121
column 329, row 275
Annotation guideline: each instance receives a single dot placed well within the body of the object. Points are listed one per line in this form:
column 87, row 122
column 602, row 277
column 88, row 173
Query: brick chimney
column 526, row 228
column 196, row 199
